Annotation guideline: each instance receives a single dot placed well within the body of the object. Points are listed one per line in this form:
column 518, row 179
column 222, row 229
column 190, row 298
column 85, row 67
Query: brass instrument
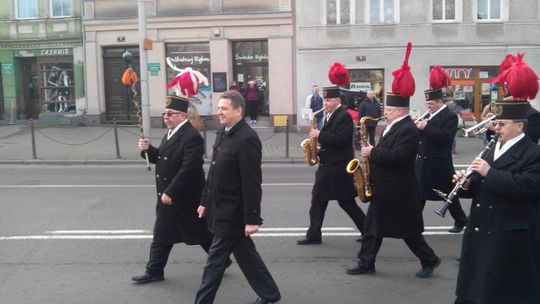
column 479, row 127
column 422, row 117
column 450, row 196
column 359, row 168
column 310, row 144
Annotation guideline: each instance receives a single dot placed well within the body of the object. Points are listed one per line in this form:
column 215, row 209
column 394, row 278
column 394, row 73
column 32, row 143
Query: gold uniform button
column 157, row 175
column 476, row 229
column 159, row 193
column 478, row 205
column 165, row 158
column 490, row 207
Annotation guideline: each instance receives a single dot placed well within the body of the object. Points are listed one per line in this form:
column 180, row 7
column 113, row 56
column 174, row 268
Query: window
column 61, row 8
column 56, row 85
column 491, row 10
column 26, row 8
column 446, row 10
column 383, row 11
column 338, row 11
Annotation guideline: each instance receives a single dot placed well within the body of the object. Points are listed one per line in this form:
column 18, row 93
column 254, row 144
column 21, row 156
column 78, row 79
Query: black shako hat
column 177, row 103
column 331, row 92
column 514, row 110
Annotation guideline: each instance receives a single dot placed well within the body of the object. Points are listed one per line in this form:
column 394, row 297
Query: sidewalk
column 73, row 145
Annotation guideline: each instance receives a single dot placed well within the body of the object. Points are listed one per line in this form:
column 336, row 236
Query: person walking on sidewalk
column 370, row 106
column 231, row 203
column 179, row 183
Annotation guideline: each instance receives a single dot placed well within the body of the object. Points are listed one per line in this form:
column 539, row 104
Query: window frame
column 51, row 9
column 458, row 12
column 504, row 12
column 381, row 13
column 352, row 13
column 16, row 6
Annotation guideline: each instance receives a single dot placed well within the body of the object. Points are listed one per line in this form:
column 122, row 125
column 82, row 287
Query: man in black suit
column 395, row 209
column 434, row 166
column 332, row 182
column 231, row 203
column 179, row 182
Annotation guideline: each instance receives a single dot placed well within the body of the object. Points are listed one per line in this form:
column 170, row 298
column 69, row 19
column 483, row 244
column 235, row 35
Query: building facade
column 42, row 62
column 226, row 40
column 467, row 38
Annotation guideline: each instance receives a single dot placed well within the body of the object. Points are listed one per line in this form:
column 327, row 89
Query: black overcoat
column 434, row 167
column 179, row 174
column 395, row 209
column 232, row 194
column 332, row 182
column 500, row 255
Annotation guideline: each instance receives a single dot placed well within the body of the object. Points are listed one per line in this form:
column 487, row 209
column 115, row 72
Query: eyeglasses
column 169, row 114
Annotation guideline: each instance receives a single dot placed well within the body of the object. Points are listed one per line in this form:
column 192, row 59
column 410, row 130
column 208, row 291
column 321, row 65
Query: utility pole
column 145, row 104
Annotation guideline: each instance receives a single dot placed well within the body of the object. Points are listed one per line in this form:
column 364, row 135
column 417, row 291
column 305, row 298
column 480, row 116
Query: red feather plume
column 403, row 83
column 438, row 78
column 521, row 80
column 509, row 59
column 338, row 74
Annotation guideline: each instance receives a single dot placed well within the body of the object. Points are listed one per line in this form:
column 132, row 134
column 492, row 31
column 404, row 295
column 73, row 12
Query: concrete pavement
column 83, row 144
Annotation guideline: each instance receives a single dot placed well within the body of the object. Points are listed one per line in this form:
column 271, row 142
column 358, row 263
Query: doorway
column 30, row 107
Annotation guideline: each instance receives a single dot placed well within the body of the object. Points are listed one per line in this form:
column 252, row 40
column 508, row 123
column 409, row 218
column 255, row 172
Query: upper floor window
column 26, row 8
column 443, row 10
column 383, row 11
column 338, row 11
column 61, row 8
column 491, row 10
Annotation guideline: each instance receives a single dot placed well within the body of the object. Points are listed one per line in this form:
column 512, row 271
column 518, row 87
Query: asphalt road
column 76, row 234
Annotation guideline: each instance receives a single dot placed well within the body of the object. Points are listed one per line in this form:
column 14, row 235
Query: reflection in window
column 444, row 9
column 381, row 11
column 488, row 9
column 57, row 87
column 27, row 8
column 61, row 8
column 339, row 11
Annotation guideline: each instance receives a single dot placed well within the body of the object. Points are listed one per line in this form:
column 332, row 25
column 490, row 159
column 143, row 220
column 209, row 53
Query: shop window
column 383, row 11
column 56, row 87
column 26, row 9
column 446, row 10
column 197, row 57
column 491, row 10
column 61, row 8
column 367, row 79
column 338, row 11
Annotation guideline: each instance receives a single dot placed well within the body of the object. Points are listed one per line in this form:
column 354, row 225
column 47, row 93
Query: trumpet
column 422, row 117
column 479, row 127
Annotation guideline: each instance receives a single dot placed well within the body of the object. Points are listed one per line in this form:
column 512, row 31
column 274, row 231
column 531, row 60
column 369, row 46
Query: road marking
column 146, row 234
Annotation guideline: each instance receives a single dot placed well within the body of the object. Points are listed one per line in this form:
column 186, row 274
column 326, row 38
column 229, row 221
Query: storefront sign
column 360, row 86
column 154, row 68
column 191, row 59
column 7, row 68
column 251, row 58
column 459, row 73
column 44, row 52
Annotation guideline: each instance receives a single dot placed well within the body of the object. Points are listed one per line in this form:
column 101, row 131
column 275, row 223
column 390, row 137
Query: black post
column 287, row 137
column 116, row 139
column 32, row 132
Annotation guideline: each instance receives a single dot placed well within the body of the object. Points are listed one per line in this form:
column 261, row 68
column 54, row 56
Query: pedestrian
column 332, row 182
column 370, row 106
column 314, row 102
column 395, row 209
column 500, row 253
column 253, row 98
column 179, row 182
column 234, row 86
column 231, row 203
column 434, row 165
column 456, row 109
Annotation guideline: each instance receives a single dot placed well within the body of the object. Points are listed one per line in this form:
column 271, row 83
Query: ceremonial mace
column 130, row 78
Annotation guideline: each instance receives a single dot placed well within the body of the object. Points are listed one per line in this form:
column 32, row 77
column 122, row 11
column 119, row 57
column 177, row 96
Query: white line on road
column 144, row 234
column 136, row 186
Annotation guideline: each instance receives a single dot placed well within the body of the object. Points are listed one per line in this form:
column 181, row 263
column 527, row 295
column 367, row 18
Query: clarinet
column 447, row 198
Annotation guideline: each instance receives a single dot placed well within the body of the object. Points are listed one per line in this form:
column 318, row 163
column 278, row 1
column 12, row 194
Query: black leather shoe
column 456, row 229
column 146, row 278
column 307, row 241
column 360, row 239
column 228, row 263
column 263, row 301
column 361, row 269
column 427, row 272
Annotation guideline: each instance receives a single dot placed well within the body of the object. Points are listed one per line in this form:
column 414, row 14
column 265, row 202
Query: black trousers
column 418, row 246
column 253, row 109
column 456, row 211
column 249, row 261
column 318, row 209
column 371, row 134
column 159, row 254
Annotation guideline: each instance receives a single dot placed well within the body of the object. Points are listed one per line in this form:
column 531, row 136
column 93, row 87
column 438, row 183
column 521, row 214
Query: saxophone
column 359, row 168
column 310, row 145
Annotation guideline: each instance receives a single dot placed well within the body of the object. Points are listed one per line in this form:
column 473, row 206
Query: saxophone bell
column 310, row 145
